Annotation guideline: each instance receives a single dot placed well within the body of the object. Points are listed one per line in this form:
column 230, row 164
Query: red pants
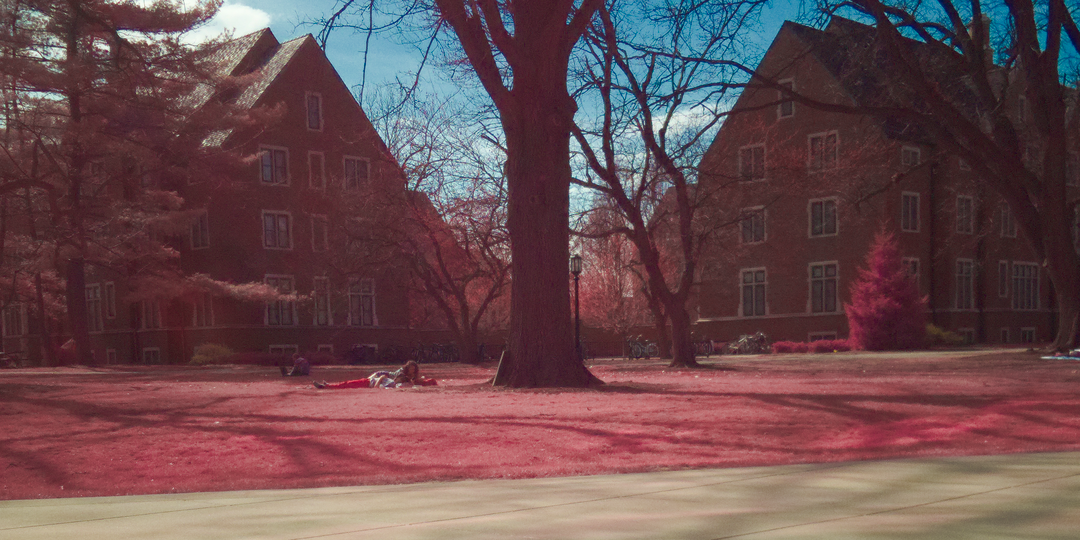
column 358, row 383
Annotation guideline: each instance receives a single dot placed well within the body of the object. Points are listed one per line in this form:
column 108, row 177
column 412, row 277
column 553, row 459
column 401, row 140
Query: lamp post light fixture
column 575, row 268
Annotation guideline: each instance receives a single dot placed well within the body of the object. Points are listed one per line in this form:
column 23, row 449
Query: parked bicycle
column 756, row 343
column 638, row 347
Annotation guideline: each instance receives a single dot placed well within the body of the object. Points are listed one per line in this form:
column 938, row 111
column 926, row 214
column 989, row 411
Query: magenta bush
column 783, row 347
column 829, row 345
column 886, row 310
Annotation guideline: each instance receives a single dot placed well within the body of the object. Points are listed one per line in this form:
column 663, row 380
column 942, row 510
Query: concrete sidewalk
column 1006, row 497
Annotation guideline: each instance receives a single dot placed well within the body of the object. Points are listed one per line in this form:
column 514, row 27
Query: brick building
column 316, row 173
column 810, row 189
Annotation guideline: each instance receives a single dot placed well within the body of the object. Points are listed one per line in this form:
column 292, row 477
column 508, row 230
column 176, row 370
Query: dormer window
column 314, row 111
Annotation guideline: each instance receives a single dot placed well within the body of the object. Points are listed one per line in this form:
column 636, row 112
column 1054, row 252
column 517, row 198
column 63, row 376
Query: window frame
column 823, row 164
column 150, row 315
column 154, row 352
column 755, row 175
column 307, row 111
column 964, row 297
column 278, row 214
column 347, row 180
column 202, row 311
column 108, row 298
column 1004, row 279
column 785, row 101
column 323, row 295
column 824, row 279
column 906, row 151
column 824, row 214
column 906, row 210
column 913, row 267
column 363, row 313
column 965, row 219
column 1025, row 288
column 276, row 169
column 1008, row 222
column 281, row 307
column 755, row 286
column 95, row 319
column 755, row 219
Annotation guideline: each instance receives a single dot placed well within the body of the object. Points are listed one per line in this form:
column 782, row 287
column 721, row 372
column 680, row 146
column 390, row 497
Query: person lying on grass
column 406, row 375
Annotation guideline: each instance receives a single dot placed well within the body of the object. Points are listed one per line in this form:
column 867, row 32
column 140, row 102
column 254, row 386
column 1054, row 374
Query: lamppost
column 575, row 268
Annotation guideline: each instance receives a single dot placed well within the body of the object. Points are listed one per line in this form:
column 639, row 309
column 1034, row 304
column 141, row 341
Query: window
column 322, row 302
column 823, row 288
column 911, row 266
column 965, row 208
column 1003, row 279
column 93, row 308
column 274, row 165
column 111, row 357
column 362, row 303
column 277, row 233
column 203, row 311
column 823, row 151
column 823, row 217
column 1027, row 335
column 787, row 106
column 753, row 225
column 316, row 170
column 753, row 292
column 821, row 336
column 314, row 111
column 15, row 320
column 319, row 234
column 910, row 156
column 151, row 355
column 200, row 232
column 965, row 283
column 325, row 348
column 1008, row 224
column 151, row 314
column 357, row 172
column 1025, row 286
column 752, row 163
column 281, row 312
column 909, row 212
column 1004, row 335
column 109, row 300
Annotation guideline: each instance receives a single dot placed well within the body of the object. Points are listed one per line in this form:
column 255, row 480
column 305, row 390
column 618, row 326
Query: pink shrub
column 783, row 347
column 829, row 345
column 886, row 310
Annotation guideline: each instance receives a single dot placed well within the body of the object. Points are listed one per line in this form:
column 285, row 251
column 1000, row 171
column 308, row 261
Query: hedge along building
column 811, row 186
column 267, row 258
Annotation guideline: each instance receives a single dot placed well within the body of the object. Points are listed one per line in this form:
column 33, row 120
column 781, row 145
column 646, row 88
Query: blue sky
column 386, row 58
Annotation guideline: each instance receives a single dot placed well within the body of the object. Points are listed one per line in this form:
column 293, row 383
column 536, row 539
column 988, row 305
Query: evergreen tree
column 886, row 311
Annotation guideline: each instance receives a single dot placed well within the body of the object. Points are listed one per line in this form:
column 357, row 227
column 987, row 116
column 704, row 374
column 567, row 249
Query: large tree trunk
column 1065, row 275
column 682, row 341
column 542, row 349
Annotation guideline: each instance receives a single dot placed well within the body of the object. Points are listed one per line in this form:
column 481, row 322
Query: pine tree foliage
column 886, row 311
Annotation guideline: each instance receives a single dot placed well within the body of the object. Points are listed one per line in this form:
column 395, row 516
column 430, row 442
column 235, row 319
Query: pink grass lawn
column 75, row 432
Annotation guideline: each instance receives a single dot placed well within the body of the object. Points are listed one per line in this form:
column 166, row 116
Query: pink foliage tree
column 886, row 310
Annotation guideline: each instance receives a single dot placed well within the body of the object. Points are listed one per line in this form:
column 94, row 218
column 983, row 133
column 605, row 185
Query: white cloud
column 238, row 18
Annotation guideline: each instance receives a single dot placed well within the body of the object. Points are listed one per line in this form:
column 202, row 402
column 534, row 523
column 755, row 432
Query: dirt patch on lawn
column 70, row 432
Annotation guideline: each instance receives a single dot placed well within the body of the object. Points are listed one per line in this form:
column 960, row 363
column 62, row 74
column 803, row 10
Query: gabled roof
column 260, row 54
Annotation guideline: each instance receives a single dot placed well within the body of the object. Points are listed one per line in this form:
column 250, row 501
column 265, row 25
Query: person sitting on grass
column 300, row 367
column 406, row 375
